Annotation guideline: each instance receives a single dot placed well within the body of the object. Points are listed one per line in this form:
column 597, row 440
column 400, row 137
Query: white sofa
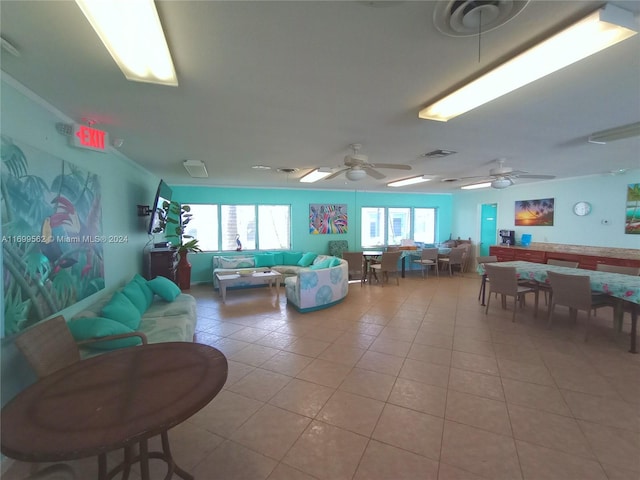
column 308, row 288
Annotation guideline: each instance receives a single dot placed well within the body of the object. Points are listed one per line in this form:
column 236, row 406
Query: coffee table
column 270, row 278
column 116, row 400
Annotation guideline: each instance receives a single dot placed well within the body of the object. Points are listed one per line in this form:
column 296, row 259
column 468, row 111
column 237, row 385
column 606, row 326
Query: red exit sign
column 84, row 136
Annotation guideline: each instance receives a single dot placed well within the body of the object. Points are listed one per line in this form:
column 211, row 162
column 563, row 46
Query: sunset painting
column 534, row 213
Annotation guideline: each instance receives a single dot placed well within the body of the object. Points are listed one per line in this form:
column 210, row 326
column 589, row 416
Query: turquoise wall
column 25, row 117
column 299, row 200
column 603, row 227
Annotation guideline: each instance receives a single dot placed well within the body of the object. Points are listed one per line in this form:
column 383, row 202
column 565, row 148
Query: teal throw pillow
column 307, row 259
column 86, row 328
column 326, row 263
column 148, row 293
column 291, row 258
column 134, row 293
column 122, row 310
column 165, row 288
column 278, row 258
column 265, row 260
column 334, row 262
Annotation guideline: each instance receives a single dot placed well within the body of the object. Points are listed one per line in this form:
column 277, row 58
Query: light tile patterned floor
column 409, row 382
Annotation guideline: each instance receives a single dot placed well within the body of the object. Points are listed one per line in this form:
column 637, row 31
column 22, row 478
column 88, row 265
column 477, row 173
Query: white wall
column 606, row 193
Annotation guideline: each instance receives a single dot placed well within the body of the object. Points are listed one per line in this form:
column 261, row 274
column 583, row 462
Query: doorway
column 488, row 230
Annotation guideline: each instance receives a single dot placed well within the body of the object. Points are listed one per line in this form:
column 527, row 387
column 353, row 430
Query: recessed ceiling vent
column 438, row 153
column 287, row 170
column 465, row 18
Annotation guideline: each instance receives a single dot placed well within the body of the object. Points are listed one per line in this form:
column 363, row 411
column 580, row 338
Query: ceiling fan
column 357, row 166
column 502, row 177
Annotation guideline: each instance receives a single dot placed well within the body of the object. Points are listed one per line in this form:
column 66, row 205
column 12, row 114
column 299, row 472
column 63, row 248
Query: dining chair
column 388, row 264
column 428, row 258
column 504, row 280
column 49, row 346
column 544, row 287
column 574, row 292
column 455, row 257
column 357, row 266
column 603, row 267
column 485, row 279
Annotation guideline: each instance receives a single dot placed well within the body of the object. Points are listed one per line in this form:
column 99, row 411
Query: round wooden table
column 112, row 401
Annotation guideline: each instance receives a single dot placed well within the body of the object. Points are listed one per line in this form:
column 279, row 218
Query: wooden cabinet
column 504, row 254
column 160, row 262
column 542, row 255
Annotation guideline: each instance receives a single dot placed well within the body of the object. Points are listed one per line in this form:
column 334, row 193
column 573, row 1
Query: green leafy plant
column 174, row 222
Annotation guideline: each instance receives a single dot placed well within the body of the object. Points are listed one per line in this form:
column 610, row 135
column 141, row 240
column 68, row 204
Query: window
column 398, row 225
column 238, row 227
column 221, row 227
column 424, row 221
column 204, row 226
column 274, row 227
column 372, row 230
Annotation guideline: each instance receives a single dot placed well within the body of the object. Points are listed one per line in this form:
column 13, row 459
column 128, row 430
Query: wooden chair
column 428, row 258
column 455, row 257
column 573, row 291
column 388, row 264
column 49, row 346
column 356, row 265
column 503, row 280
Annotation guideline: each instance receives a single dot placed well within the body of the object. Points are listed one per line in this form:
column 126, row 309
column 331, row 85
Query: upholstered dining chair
column 455, row 258
column 503, row 280
column 428, row 258
column 544, row 287
column 388, row 265
column 573, row 291
column 618, row 305
column 356, row 265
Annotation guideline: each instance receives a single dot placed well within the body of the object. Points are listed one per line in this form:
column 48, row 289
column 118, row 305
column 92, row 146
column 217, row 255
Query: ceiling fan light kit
column 599, row 30
column 409, row 181
column 132, row 33
column 355, row 174
column 501, row 183
column 317, row 174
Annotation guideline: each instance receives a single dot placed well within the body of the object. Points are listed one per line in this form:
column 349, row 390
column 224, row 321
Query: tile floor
column 409, row 382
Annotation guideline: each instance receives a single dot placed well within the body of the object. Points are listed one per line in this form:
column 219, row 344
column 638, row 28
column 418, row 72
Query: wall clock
column 582, row 208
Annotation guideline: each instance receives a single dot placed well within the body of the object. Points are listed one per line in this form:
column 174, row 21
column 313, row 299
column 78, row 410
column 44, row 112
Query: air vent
column 287, row 170
column 438, row 154
column 195, row 168
column 465, row 18
column 449, row 180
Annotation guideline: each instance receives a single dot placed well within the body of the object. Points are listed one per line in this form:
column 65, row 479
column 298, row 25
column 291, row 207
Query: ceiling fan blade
column 335, row 174
column 542, row 177
column 397, row 166
column 373, row 173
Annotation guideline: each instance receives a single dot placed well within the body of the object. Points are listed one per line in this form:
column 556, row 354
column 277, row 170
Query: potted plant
column 179, row 216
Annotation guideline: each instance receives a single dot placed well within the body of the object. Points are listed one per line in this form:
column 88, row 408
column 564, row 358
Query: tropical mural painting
column 632, row 216
column 51, row 234
column 325, row 219
column 534, row 213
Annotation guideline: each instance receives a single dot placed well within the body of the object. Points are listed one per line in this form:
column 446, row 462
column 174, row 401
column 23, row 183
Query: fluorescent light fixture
column 601, row 29
column 617, row 133
column 476, row 186
column 131, row 31
column 196, row 168
column 409, row 181
column 317, row 174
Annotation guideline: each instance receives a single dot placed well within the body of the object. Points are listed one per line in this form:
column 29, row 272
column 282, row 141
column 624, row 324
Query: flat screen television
column 163, row 195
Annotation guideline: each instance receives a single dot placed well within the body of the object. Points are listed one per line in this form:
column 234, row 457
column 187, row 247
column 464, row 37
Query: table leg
column 169, row 459
column 223, row 290
column 102, row 466
column 403, row 266
column 277, row 282
column 144, row 460
column 483, row 288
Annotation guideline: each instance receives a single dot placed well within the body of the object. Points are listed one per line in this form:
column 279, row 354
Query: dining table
column 626, row 288
column 116, row 400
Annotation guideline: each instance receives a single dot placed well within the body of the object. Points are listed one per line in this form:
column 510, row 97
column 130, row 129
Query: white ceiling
column 292, row 84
